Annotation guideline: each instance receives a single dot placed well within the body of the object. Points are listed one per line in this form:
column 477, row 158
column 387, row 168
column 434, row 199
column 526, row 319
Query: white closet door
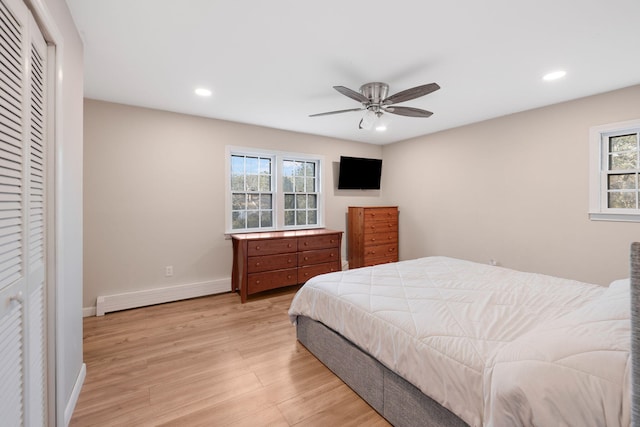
column 35, row 151
column 22, row 214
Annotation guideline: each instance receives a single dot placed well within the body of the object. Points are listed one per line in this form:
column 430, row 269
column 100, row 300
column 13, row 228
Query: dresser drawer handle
column 306, row 258
column 390, row 225
column 288, row 276
column 332, row 255
column 289, row 245
column 257, row 264
column 257, row 248
column 373, row 239
column 257, row 282
column 306, row 243
column 289, row 260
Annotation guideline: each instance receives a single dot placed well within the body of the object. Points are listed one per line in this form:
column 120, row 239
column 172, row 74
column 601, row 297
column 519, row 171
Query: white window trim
column 597, row 185
column 278, row 210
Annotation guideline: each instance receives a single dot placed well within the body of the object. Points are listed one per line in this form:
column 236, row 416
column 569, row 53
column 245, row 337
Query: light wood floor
column 210, row 361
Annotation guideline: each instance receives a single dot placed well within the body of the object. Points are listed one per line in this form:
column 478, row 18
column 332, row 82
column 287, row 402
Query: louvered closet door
column 22, row 217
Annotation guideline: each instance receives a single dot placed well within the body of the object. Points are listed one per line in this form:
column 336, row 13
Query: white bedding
column 483, row 341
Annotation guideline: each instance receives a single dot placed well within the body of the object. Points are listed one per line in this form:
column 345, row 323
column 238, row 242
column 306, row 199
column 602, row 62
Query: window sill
column 619, row 217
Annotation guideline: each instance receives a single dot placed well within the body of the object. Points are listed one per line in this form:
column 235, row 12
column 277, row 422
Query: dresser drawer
column 306, row 273
column 380, row 238
column 378, row 251
column 271, row 246
column 380, row 227
column 256, row 264
column 380, row 214
column 369, row 261
column 319, row 242
column 258, row 282
column 318, row 256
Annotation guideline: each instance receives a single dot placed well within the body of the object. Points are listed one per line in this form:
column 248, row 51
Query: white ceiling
column 273, row 63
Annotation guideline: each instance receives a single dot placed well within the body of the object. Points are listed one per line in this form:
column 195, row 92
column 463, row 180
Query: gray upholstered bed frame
column 400, row 402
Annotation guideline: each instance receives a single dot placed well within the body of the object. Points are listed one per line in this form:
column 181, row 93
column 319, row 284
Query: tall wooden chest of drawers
column 372, row 235
column 263, row 261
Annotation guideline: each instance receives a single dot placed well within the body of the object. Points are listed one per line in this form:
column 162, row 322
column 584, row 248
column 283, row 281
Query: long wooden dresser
column 372, row 235
column 263, row 261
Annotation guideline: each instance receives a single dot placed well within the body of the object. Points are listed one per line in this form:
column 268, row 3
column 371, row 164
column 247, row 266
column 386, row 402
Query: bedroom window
column 615, row 172
column 272, row 191
column 299, row 182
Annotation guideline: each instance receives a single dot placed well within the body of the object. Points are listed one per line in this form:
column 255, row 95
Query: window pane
column 622, row 181
column 301, row 201
column 623, row 161
column 623, row 143
column 287, row 184
column 237, row 220
column 289, row 218
column 289, row 201
column 288, row 168
column 265, row 201
column 238, row 202
column 299, row 184
column 253, row 219
column 237, row 182
column 237, row 164
column 252, row 183
column 252, row 165
column 312, row 217
column 265, row 183
column 266, row 217
column 265, row 166
column 622, row 200
column 310, row 169
column 301, row 217
column 312, row 201
column 311, row 184
column 253, row 201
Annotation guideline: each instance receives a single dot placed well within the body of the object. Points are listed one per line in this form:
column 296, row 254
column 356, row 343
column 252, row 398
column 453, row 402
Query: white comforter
column 495, row 346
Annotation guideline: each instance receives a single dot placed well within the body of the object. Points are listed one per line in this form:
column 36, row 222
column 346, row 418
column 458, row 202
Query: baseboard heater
column 127, row 300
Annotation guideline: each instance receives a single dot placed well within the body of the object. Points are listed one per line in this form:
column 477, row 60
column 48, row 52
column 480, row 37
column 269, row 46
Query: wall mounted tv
column 358, row 173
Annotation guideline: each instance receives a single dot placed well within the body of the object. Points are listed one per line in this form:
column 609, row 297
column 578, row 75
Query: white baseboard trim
column 75, row 395
column 88, row 311
column 108, row 303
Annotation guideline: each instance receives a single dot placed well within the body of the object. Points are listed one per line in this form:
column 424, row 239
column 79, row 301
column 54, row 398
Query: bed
column 440, row 341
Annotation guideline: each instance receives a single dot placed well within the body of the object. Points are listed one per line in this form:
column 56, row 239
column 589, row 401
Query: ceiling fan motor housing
column 375, row 91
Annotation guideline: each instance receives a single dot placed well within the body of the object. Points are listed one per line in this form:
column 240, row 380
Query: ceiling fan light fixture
column 554, row 75
column 201, row 91
column 368, row 120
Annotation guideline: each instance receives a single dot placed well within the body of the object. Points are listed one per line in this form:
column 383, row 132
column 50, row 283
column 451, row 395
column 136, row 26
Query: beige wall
column 514, row 189
column 154, row 194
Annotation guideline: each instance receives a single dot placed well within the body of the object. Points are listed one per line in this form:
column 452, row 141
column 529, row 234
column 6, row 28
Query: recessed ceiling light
column 203, row 92
column 381, row 128
column 555, row 75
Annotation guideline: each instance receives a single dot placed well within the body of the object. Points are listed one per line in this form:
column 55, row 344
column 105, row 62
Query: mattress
column 465, row 334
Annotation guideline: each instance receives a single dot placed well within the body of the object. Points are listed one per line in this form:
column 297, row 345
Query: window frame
column 277, row 190
column 599, row 172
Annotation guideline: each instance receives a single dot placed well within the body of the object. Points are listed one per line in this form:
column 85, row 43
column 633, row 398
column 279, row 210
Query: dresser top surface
column 284, row 234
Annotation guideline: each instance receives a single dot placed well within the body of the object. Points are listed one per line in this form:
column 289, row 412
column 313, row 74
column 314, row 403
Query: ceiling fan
column 375, row 101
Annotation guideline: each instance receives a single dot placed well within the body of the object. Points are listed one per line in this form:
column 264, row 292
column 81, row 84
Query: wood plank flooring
column 210, row 361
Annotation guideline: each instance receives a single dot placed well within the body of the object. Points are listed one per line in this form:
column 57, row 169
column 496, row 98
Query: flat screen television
column 358, row 173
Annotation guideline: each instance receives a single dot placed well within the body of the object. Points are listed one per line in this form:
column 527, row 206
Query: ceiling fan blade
column 408, row 111
column 409, row 94
column 335, row 112
column 352, row 94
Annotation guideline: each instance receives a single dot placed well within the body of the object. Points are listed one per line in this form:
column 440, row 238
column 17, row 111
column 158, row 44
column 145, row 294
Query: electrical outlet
column 168, row 271
column 493, row 262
